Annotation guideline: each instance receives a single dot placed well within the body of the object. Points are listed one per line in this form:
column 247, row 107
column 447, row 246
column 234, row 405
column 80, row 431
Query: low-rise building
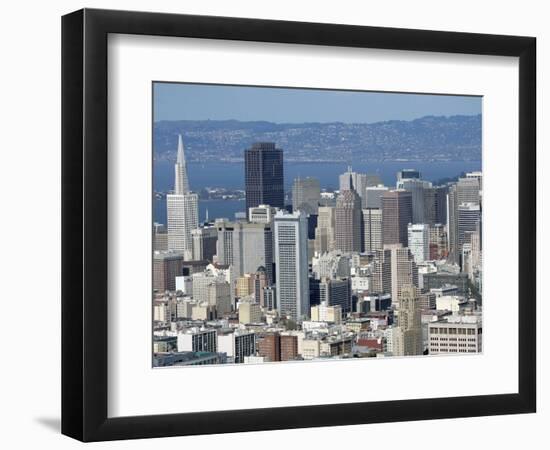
column 454, row 303
column 325, row 313
column 456, row 334
column 249, row 312
column 197, row 340
column 237, row 344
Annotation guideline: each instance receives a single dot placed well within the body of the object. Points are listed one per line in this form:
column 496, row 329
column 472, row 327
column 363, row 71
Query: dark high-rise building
column 204, row 242
column 417, row 188
column 396, row 216
column 314, row 292
column 312, row 220
column 435, row 205
column 263, row 171
column 348, row 221
column 306, row 193
column 381, row 273
column 336, row 292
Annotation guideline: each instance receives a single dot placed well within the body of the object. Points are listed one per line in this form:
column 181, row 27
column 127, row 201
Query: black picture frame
column 84, row 224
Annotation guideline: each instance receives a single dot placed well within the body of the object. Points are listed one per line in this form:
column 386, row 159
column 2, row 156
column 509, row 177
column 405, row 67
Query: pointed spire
column 181, row 185
column 181, row 154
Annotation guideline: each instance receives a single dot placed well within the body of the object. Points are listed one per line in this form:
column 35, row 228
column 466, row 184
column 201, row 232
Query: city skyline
column 360, row 270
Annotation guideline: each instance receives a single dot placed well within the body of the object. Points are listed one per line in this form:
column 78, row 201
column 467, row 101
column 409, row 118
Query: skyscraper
column 260, row 281
column 204, row 243
column 353, row 180
column 396, row 216
column 183, row 216
column 373, row 196
column 182, row 209
column 224, row 244
column 291, row 263
column 160, row 237
column 358, row 182
column 419, row 242
column 392, row 268
column 435, row 205
column 306, row 193
column 466, row 190
column 381, row 272
column 348, row 221
column 253, row 248
column 264, row 181
column 372, row 229
column 438, row 241
column 325, row 231
column 478, row 176
column 408, row 340
column 417, row 188
column 469, row 216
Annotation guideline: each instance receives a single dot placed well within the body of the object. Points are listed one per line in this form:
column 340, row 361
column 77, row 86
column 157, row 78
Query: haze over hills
column 430, row 138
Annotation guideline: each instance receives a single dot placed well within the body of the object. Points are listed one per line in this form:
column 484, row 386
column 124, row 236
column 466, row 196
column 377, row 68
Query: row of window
column 435, row 338
column 454, row 350
column 453, row 344
column 469, row 331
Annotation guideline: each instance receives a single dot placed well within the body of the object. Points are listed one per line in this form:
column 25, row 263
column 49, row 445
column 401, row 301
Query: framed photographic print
column 273, row 224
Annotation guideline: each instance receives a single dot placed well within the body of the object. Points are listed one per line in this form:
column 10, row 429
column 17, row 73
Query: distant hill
column 430, row 138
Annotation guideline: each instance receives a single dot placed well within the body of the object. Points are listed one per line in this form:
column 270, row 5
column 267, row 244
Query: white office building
column 183, row 216
column 291, row 262
column 419, row 241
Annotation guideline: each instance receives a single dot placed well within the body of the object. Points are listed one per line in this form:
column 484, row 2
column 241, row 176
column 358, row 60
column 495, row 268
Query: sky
column 180, row 101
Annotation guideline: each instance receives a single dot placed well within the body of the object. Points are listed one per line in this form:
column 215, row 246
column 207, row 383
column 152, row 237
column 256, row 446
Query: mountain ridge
column 429, row 138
